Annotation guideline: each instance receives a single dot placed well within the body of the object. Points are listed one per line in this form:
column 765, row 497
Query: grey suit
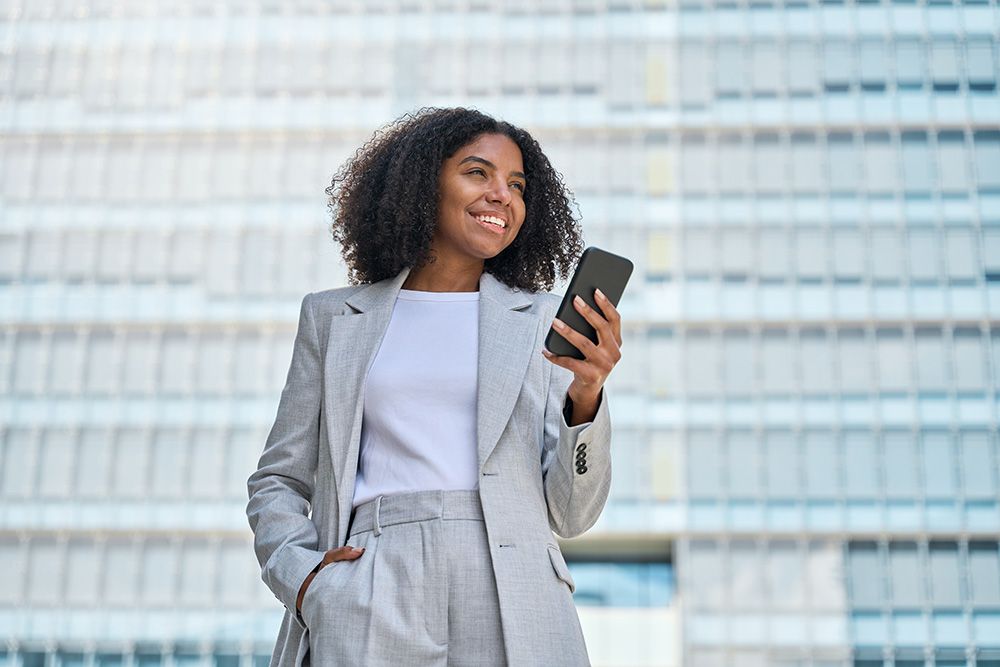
column 537, row 474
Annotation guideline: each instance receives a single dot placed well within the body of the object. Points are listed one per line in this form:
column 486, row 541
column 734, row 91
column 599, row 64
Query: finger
column 579, row 341
column 611, row 313
column 603, row 327
column 569, row 363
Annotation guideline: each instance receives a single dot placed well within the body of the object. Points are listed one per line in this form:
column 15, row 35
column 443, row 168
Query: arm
column 281, row 490
column 575, row 499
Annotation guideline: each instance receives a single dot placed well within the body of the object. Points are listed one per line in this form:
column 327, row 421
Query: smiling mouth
column 490, row 223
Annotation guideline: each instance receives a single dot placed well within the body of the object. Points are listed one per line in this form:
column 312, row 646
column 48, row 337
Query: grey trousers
column 422, row 593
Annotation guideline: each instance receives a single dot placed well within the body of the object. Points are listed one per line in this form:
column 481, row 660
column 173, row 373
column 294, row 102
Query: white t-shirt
column 418, row 430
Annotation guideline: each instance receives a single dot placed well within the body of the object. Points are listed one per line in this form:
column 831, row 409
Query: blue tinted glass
column 607, row 584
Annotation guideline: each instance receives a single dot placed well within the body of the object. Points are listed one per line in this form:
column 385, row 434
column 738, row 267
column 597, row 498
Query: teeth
column 492, row 219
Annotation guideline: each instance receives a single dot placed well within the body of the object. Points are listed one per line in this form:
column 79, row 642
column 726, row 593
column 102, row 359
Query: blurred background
column 806, row 458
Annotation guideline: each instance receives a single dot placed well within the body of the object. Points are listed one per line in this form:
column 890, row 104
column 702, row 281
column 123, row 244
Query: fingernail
column 578, row 300
column 600, row 294
column 546, row 352
column 558, row 323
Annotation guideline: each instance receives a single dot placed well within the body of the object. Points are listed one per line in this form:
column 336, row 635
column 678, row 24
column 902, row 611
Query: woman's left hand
column 599, row 360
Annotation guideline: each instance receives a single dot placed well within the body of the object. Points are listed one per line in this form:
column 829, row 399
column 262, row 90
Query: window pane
column 953, row 172
column 821, row 463
column 886, row 255
column 939, row 464
column 984, row 573
column 918, row 172
column 900, row 465
column 977, row 465
column 862, row 473
column 945, row 591
column 970, row 361
column 704, row 464
column 865, row 575
column 893, row 361
column 855, row 365
column 742, row 461
column 782, row 465
column 910, row 66
column 905, row 573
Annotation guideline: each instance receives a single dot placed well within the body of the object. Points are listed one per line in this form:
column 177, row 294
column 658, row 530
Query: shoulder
column 331, row 301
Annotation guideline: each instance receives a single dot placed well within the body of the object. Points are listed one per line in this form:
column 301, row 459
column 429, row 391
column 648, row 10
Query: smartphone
column 597, row 269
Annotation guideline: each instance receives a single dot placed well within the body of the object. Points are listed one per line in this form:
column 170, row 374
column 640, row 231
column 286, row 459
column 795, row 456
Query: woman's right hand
column 340, row 553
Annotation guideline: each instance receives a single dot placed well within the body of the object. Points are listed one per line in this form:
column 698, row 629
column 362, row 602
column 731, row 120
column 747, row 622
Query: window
column 987, row 159
column 83, row 563
column 901, row 479
column 120, row 558
column 766, row 69
column 865, row 575
column 977, row 465
column 786, row 580
column 816, row 362
column 806, row 164
column 843, row 164
column 622, row 60
column 45, row 558
column 984, row 574
column 906, row 576
column 803, row 66
column 821, row 465
column 696, row 171
column 811, row 253
column 695, row 80
column 881, row 167
column 782, row 466
column 131, row 463
column 918, row 172
column 910, row 66
column 730, row 62
column 979, row 65
column 944, row 64
column 740, row 362
column 56, row 461
column 734, row 165
column 874, row 69
column 939, row 465
column 707, row 587
column 893, row 361
column 960, row 254
column 886, row 255
column 945, row 590
column 769, row 164
column 924, row 255
column 837, row 66
column 775, row 255
column 704, row 464
column 777, row 366
column 863, row 471
column 743, row 464
column 92, row 465
column 970, row 361
column 848, row 254
column 699, row 254
column 159, row 572
column 953, row 167
column 170, row 463
column 855, row 362
column 931, row 363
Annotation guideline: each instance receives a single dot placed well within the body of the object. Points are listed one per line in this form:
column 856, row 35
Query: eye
column 518, row 185
column 477, row 170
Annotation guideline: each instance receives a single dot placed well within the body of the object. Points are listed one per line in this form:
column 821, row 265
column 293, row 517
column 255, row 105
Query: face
column 481, row 185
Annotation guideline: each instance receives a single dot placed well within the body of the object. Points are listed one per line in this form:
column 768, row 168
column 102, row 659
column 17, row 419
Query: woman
column 434, row 445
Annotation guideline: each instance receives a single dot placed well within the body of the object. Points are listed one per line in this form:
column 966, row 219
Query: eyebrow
column 476, row 158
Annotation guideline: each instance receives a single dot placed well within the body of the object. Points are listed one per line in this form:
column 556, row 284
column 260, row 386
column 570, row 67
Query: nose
column 499, row 193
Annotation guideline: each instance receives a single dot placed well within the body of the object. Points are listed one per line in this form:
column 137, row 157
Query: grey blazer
column 529, row 482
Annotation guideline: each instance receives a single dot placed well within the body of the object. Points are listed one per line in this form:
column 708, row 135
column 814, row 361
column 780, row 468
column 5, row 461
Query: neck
column 440, row 276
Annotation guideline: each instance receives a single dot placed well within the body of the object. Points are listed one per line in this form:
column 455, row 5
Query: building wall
column 806, row 451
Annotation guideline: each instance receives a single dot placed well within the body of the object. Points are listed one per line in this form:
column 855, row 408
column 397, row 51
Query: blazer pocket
column 559, row 565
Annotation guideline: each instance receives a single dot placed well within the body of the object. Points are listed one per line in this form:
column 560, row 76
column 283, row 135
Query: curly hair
column 384, row 201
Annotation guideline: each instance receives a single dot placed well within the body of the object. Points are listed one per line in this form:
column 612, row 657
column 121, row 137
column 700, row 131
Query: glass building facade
column 806, row 458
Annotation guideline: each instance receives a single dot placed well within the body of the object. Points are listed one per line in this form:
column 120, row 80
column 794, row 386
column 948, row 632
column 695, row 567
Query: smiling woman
column 436, row 164
column 425, row 450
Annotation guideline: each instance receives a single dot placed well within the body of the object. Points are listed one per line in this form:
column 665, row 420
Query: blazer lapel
column 353, row 341
column 506, row 342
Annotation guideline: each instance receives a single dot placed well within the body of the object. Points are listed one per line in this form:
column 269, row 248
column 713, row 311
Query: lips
column 496, row 229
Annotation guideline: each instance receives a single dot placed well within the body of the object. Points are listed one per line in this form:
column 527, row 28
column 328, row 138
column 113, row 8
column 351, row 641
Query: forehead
column 497, row 148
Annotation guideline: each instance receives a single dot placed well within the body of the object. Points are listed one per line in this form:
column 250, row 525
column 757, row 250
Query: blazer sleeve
column 575, row 499
column 281, row 489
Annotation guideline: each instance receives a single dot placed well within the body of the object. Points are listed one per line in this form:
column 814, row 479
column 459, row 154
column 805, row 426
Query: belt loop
column 378, row 509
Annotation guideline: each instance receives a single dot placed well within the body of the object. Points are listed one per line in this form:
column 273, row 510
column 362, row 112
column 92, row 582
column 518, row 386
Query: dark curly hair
column 384, row 201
